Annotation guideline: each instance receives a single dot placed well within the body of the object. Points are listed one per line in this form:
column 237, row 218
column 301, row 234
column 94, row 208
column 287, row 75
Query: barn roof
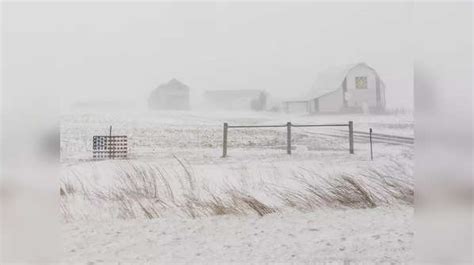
column 173, row 84
column 331, row 79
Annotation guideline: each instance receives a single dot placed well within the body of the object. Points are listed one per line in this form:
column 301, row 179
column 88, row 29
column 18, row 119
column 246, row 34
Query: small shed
column 173, row 95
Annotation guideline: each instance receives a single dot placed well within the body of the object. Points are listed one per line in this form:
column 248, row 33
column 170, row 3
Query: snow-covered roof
column 331, row 79
column 173, row 84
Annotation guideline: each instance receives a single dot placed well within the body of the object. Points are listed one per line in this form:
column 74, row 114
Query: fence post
column 351, row 137
column 288, row 138
column 224, row 144
column 371, row 153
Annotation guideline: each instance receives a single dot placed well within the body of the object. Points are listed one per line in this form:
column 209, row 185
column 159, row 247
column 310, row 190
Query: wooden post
column 351, row 137
column 370, row 137
column 288, row 138
column 224, row 144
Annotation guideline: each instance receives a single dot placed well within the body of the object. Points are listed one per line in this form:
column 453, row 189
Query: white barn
column 355, row 87
column 350, row 87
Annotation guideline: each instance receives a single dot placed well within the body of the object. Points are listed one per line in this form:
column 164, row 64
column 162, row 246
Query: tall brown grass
column 149, row 191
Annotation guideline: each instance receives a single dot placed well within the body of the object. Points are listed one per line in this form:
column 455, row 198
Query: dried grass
column 144, row 191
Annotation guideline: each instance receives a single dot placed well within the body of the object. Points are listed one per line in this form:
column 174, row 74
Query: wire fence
column 288, row 126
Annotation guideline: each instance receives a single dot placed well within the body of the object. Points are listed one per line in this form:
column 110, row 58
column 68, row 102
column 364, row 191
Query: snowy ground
column 156, row 134
column 177, row 200
column 378, row 235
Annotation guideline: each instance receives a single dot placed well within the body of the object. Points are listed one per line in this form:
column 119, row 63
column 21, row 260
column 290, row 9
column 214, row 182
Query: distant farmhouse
column 245, row 99
column 355, row 87
column 173, row 95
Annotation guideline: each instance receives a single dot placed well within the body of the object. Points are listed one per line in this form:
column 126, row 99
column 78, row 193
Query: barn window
column 361, row 82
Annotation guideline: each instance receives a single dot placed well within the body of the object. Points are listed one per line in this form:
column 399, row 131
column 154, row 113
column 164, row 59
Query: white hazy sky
column 124, row 50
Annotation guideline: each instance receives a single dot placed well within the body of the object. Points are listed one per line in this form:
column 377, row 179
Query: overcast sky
column 124, row 50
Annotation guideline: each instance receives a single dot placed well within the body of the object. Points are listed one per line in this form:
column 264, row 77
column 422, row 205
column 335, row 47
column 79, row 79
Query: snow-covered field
column 177, row 200
column 361, row 236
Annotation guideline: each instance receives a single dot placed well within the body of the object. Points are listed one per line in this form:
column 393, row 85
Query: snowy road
column 335, row 236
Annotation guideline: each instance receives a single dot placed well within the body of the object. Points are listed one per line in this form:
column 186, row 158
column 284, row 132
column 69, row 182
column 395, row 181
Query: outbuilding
column 173, row 95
